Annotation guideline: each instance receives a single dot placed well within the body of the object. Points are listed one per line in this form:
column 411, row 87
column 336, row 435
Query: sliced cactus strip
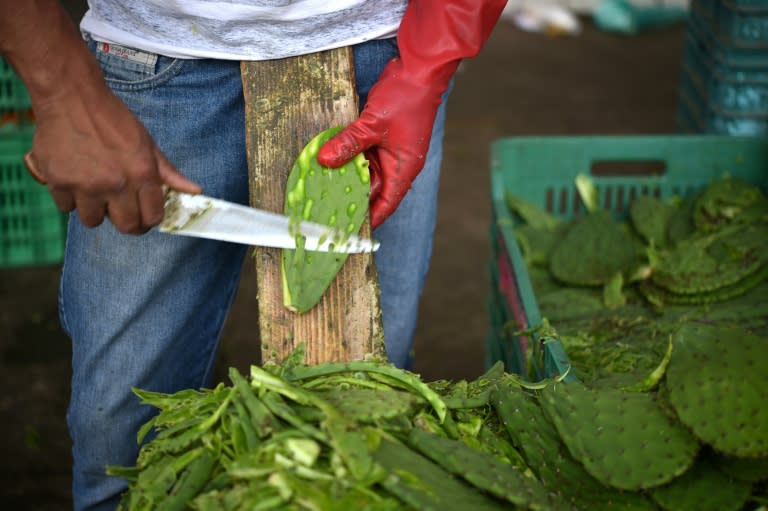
column 484, row 471
column 532, row 214
column 337, row 198
column 622, row 438
column 703, row 488
column 718, row 385
column 426, row 486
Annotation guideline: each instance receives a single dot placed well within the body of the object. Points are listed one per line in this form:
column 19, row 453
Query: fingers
column 173, row 178
column 348, row 143
column 123, row 211
column 91, row 211
column 375, row 171
column 65, row 201
column 151, row 205
column 392, row 192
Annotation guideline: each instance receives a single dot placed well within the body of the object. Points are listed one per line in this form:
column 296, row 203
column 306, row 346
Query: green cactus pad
column 337, row 198
column 681, row 224
column 623, row 439
column 530, row 429
column 650, row 217
column 593, row 250
column 718, row 385
column 705, row 263
column 536, row 244
column 659, row 296
column 703, row 488
column 723, row 201
column 751, row 470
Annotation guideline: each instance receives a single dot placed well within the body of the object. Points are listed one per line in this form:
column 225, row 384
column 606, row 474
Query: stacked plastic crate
column 724, row 79
column 32, row 229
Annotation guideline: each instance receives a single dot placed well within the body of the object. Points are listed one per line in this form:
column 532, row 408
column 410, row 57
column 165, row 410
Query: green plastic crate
column 543, row 170
column 13, row 94
column 32, row 229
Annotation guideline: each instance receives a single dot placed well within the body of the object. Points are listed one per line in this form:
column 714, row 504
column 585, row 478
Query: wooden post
column 288, row 102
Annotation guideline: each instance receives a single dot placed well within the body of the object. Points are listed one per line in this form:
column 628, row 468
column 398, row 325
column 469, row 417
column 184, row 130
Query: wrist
column 46, row 50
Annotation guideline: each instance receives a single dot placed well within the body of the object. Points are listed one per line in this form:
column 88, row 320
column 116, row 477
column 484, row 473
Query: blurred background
column 550, row 68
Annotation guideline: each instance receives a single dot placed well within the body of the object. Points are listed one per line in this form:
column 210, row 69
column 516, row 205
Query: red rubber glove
column 395, row 126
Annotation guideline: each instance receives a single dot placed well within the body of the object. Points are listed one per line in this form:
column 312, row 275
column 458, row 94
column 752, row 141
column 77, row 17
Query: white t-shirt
column 240, row 29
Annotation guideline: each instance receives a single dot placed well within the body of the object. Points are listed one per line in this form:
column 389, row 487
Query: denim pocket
column 128, row 68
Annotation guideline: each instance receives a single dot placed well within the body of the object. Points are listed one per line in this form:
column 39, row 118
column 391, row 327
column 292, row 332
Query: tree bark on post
column 287, row 102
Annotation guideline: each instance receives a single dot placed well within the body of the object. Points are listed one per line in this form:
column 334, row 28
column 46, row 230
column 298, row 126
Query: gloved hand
column 395, row 126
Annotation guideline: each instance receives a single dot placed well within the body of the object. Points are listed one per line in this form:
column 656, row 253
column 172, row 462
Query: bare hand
column 96, row 157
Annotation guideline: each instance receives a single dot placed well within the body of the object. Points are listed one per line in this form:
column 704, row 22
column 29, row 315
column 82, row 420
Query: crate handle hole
column 605, row 168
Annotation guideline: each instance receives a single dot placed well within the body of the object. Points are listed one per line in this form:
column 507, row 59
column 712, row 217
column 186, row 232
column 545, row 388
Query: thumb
column 173, row 178
column 348, row 143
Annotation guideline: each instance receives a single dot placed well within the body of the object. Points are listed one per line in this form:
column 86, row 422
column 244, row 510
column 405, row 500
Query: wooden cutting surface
column 288, row 102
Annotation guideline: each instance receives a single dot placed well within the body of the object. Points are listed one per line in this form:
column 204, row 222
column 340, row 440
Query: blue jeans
column 147, row 311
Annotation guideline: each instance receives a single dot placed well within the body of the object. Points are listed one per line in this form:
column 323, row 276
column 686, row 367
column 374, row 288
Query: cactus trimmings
column 718, row 387
column 337, row 198
column 622, row 438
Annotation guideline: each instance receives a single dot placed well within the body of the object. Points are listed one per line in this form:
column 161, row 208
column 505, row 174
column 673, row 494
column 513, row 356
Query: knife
column 206, row 217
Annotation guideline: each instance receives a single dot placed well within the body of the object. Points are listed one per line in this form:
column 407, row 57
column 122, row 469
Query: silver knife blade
column 206, row 217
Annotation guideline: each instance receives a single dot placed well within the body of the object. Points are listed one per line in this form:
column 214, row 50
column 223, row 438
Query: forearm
column 43, row 45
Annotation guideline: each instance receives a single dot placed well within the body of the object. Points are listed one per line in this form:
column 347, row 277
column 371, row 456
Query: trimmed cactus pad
column 593, row 251
column 538, row 439
column 650, row 218
column 623, row 439
column 718, row 386
column 703, row 488
column 337, row 198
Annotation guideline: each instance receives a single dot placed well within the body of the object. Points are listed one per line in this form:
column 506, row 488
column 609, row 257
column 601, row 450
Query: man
column 150, row 95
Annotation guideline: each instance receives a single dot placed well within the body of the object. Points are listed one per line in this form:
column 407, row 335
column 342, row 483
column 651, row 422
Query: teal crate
column 732, row 90
column 543, row 170
column 32, row 229
column 14, row 96
column 747, row 5
column 733, row 23
column 533, row 356
column 704, row 116
column 724, row 51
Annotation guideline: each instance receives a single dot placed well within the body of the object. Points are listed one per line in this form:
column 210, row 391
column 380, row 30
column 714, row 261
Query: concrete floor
column 521, row 84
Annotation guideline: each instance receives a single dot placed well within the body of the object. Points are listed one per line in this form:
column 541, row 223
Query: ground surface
column 521, row 84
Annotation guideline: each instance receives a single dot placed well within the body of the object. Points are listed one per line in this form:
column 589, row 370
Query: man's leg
column 146, row 311
column 406, row 236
